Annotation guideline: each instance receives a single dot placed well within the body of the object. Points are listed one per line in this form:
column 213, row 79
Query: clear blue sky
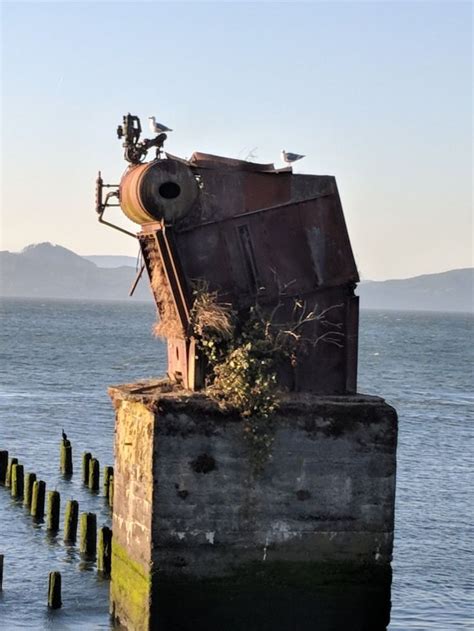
column 377, row 94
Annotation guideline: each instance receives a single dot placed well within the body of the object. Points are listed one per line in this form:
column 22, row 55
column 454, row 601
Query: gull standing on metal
column 288, row 157
column 157, row 128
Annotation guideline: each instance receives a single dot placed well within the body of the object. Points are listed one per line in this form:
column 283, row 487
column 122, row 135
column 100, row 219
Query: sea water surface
column 57, row 359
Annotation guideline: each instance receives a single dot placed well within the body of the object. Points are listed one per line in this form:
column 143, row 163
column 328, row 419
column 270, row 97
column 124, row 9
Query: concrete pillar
column 219, row 515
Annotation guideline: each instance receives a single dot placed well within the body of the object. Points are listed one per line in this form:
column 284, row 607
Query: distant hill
column 51, row 271
column 103, row 260
column 446, row 291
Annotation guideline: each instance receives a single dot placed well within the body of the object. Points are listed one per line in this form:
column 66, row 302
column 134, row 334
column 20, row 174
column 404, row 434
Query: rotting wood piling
column 108, row 474
column 17, row 481
column 88, row 542
column 37, row 500
column 94, row 474
column 54, row 590
column 8, row 477
column 104, row 551
column 3, row 466
column 111, row 491
column 71, row 515
column 52, row 515
column 66, row 457
column 30, row 479
column 86, row 458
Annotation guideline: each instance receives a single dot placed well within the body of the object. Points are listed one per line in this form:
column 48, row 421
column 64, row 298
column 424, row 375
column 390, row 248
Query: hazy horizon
column 377, row 94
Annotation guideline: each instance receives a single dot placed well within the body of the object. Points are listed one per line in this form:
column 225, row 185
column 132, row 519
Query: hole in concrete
column 183, row 494
column 203, row 464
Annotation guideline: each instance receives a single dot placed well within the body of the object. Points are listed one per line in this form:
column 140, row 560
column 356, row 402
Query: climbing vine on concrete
column 243, row 353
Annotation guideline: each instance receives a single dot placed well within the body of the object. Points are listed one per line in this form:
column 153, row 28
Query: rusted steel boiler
column 254, row 234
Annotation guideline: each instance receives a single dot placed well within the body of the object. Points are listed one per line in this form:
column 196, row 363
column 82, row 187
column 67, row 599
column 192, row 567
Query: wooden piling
column 1, row 571
column 94, row 474
column 3, row 466
column 37, row 499
column 104, row 551
column 86, row 458
column 66, row 457
column 70, row 521
column 88, row 543
column 17, row 481
column 54, row 590
column 108, row 473
column 111, row 491
column 30, row 478
column 8, row 477
column 52, row 513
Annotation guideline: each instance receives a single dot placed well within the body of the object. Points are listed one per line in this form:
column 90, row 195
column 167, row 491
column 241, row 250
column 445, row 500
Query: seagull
column 288, row 157
column 157, row 128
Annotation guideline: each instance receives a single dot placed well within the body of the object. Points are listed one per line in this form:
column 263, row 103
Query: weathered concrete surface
column 132, row 518
column 190, row 509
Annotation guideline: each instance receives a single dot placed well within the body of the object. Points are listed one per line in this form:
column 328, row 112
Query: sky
column 377, row 94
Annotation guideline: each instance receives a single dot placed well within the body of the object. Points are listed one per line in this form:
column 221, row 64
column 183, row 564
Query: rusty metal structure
column 253, row 233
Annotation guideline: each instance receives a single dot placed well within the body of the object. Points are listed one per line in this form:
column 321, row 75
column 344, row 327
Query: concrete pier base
column 205, row 539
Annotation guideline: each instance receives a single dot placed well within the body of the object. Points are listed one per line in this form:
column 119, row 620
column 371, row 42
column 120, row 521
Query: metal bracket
column 102, row 203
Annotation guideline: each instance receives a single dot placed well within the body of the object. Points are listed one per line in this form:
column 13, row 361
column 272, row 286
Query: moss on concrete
column 130, row 590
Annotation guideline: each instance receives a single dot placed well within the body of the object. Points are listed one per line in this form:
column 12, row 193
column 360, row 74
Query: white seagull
column 157, row 128
column 288, row 157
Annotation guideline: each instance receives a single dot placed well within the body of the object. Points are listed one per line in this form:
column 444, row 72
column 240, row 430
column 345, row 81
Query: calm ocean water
column 56, row 361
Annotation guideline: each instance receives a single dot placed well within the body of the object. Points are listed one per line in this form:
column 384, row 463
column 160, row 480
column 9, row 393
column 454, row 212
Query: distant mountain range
column 51, row 271
column 446, row 291
column 104, row 260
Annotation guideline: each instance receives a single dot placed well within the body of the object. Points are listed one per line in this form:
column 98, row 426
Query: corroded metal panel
column 255, row 234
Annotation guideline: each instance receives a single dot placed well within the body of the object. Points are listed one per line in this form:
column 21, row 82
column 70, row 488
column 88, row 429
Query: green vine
column 241, row 368
column 242, row 355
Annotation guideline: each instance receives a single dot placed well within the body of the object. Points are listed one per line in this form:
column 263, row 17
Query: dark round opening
column 169, row 190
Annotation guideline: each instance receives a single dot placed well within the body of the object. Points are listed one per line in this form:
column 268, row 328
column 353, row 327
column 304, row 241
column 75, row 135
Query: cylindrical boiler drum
column 158, row 190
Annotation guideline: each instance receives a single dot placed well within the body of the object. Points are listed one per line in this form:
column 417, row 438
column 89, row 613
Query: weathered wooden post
column 86, row 458
column 52, row 515
column 3, row 466
column 17, row 481
column 94, row 474
column 111, row 491
column 8, row 478
column 1, row 571
column 88, row 543
column 37, row 500
column 54, row 590
column 30, row 479
column 104, row 552
column 108, row 473
column 66, row 457
column 70, row 521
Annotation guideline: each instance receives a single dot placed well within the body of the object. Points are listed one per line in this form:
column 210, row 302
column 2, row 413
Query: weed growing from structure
column 242, row 355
